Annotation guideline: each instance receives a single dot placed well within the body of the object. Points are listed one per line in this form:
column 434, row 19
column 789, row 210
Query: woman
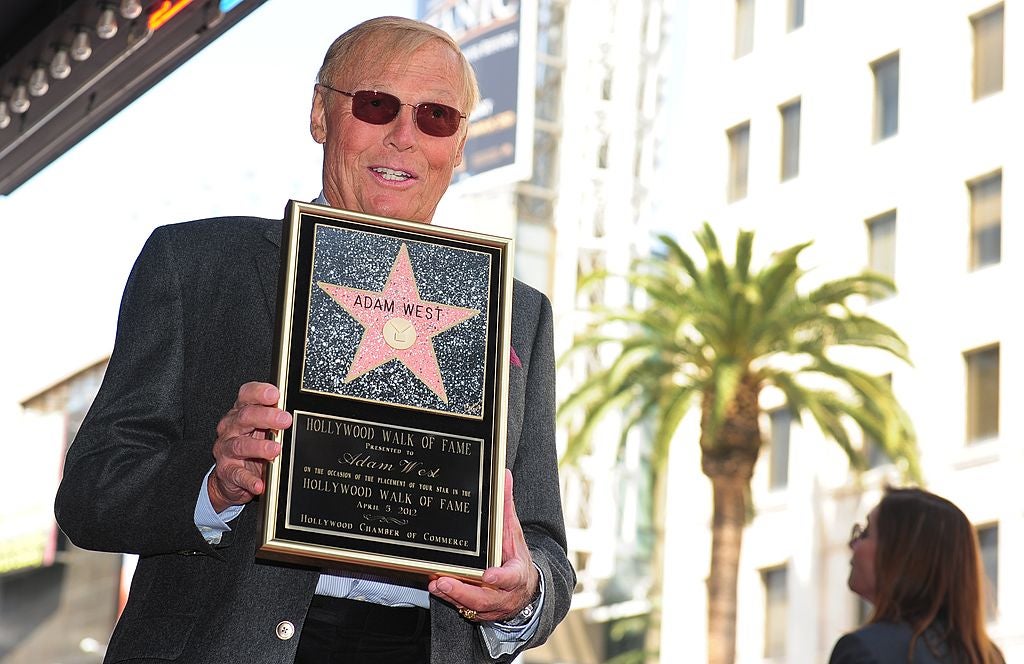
column 917, row 562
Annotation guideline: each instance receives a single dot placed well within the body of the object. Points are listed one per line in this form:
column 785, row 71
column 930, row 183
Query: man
column 171, row 455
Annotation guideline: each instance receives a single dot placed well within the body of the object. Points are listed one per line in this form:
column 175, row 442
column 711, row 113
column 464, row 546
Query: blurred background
column 880, row 130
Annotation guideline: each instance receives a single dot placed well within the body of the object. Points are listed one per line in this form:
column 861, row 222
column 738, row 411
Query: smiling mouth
column 391, row 174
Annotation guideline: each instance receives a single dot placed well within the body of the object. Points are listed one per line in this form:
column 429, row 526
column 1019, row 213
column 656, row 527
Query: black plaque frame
column 392, row 466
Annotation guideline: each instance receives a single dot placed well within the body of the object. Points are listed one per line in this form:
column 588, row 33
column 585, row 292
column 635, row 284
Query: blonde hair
column 396, row 38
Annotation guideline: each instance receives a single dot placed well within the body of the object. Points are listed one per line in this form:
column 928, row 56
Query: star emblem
column 398, row 324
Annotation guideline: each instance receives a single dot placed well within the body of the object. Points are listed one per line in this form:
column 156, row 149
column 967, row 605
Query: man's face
column 392, row 170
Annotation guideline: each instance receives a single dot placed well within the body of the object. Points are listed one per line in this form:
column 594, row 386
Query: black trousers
column 344, row 631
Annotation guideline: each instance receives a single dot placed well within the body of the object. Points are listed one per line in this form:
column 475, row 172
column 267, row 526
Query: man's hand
column 509, row 587
column 243, row 445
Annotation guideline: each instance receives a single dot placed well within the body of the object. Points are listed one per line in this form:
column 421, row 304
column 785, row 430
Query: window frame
column 989, row 51
column 887, row 265
column 990, row 566
column 789, row 148
column 739, row 161
column 778, row 455
column 980, row 225
column 886, row 76
column 982, row 412
column 775, row 636
column 743, row 35
column 794, row 15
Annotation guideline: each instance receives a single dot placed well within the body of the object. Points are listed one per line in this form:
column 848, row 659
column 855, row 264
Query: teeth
column 391, row 174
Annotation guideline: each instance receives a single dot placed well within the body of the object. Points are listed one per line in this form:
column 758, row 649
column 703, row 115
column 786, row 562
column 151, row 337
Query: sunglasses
column 858, row 532
column 380, row 108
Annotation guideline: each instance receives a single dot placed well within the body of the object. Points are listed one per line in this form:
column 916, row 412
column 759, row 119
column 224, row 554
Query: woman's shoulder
column 882, row 643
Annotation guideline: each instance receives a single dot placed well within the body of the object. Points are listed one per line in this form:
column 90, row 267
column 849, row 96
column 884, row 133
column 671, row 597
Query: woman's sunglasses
column 380, row 108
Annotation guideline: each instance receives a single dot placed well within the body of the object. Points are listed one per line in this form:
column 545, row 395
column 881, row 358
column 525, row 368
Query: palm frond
column 703, row 327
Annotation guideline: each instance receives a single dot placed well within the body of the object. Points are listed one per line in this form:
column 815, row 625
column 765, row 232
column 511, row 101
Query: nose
column 402, row 130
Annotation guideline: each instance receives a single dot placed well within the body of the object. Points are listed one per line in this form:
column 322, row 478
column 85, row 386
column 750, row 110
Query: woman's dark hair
column 928, row 574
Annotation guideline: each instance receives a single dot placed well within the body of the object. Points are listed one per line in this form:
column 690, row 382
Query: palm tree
column 717, row 335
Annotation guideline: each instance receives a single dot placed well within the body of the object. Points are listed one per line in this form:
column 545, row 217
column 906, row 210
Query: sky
column 225, row 133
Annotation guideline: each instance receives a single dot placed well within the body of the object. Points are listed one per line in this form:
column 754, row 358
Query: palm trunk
column 652, row 637
column 728, row 455
column 727, row 521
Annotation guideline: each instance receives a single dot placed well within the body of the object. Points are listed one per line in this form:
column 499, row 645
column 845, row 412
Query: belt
column 375, row 618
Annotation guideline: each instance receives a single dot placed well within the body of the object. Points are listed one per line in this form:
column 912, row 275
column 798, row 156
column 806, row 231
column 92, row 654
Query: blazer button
column 285, row 630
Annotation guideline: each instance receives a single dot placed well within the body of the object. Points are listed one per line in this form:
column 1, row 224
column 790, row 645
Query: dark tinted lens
column 437, row 119
column 375, row 107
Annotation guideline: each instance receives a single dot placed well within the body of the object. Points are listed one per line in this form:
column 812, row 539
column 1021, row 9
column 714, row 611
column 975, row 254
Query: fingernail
column 283, row 419
column 444, row 586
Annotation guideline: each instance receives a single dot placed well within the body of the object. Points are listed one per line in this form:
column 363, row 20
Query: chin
column 857, row 590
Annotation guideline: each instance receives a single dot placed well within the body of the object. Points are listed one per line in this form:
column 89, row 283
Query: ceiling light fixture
column 106, row 25
column 19, row 100
column 81, row 46
column 38, row 83
column 131, row 9
column 60, row 66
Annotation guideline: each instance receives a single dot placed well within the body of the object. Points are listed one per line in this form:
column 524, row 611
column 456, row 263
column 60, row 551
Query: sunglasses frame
column 422, row 107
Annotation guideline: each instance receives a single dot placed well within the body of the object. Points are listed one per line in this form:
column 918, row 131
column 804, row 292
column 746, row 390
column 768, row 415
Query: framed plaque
column 392, row 355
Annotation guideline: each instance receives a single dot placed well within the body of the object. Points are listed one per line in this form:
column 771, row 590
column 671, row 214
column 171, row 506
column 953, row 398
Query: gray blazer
column 196, row 323
column 888, row 643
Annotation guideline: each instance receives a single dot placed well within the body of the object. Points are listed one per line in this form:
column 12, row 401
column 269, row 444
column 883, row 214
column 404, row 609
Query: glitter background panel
column 447, row 275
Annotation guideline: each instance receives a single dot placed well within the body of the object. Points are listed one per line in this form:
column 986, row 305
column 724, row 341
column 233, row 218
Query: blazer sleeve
column 131, row 480
column 536, row 486
column 850, row 649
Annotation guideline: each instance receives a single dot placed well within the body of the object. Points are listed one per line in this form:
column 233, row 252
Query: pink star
column 398, row 325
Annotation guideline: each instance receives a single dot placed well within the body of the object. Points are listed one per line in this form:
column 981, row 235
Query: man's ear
column 318, row 117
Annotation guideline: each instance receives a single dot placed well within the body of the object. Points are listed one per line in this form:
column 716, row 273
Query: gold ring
column 468, row 614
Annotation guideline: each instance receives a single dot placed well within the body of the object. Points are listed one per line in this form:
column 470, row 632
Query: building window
column 790, row 114
column 778, row 448
column 887, row 96
column 874, row 453
column 606, row 83
column 982, row 394
column 794, row 15
column 776, row 608
column 986, row 220
column 882, row 244
column 988, row 51
column 744, row 28
column 988, row 542
column 739, row 160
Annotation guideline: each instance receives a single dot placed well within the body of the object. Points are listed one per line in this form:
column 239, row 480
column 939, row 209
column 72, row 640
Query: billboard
column 499, row 38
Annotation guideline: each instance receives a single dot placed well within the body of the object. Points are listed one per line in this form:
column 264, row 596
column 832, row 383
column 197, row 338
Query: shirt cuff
column 212, row 525
column 502, row 638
